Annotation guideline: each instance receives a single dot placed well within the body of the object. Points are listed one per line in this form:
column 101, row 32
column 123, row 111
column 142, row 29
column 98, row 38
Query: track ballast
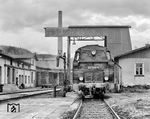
column 95, row 109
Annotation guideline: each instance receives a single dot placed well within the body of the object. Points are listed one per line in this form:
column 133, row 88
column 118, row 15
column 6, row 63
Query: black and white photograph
column 74, row 59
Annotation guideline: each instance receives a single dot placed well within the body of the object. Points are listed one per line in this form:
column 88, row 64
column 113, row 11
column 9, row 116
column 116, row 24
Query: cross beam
column 81, row 31
column 65, row 32
column 96, row 38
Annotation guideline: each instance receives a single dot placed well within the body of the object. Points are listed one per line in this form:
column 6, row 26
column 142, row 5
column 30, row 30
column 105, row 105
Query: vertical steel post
column 105, row 41
column 68, row 60
column 64, row 58
column 54, row 91
column 65, row 79
column 60, row 44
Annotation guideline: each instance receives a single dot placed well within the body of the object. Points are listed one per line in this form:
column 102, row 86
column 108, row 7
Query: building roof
column 100, row 26
column 10, row 57
column 14, row 50
column 5, row 55
column 48, row 61
column 46, row 56
column 24, row 56
column 133, row 51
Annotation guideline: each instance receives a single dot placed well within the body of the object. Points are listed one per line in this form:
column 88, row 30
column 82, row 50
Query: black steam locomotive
column 93, row 69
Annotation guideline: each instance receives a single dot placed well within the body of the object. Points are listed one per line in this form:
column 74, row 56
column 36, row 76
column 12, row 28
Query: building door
column 0, row 75
column 13, row 76
column 55, row 79
column 22, row 79
column 31, row 77
column 8, row 75
column 19, row 80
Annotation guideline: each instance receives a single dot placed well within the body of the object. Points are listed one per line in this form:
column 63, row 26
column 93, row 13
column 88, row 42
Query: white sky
column 22, row 21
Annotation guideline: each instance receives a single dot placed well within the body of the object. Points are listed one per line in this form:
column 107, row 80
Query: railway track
column 95, row 109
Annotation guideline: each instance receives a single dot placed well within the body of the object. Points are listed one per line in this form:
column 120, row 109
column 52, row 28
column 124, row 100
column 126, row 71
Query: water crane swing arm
column 60, row 57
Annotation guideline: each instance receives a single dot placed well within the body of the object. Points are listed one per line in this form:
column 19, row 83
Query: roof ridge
column 133, row 51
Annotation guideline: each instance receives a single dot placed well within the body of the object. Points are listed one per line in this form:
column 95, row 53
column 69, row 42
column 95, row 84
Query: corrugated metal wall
column 118, row 38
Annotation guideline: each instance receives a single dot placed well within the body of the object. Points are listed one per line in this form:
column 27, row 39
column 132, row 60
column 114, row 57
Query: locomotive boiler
column 93, row 69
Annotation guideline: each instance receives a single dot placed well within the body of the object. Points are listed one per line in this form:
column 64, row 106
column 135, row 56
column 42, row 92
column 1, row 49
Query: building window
column 19, row 79
column 32, row 61
column 18, row 64
column 22, row 65
column 11, row 62
column 28, row 79
column 13, row 76
column 31, row 77
column 22, row 79
column 139, row 69
column 25, row 79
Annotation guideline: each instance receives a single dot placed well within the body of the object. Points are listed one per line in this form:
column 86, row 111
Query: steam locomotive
column 93, row 69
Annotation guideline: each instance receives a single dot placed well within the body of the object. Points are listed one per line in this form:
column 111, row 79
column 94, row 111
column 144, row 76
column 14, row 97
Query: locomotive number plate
column 93, row 67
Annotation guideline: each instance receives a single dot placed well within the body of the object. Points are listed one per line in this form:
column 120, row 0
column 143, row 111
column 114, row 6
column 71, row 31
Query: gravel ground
column 70, row 112
column 43, row 106
column 94, row 109
column 131, row 105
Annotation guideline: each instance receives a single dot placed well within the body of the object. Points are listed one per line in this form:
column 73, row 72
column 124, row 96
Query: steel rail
column 112, row 111
column 78, row 110
column 114, row 114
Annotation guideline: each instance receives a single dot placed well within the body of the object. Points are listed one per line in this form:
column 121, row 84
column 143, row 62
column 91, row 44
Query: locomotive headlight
column 106, row 78
column 81, row 78
column 93, row 52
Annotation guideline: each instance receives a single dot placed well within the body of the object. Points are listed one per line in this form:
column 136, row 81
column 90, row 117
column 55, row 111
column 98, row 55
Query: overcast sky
column 22, row 21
